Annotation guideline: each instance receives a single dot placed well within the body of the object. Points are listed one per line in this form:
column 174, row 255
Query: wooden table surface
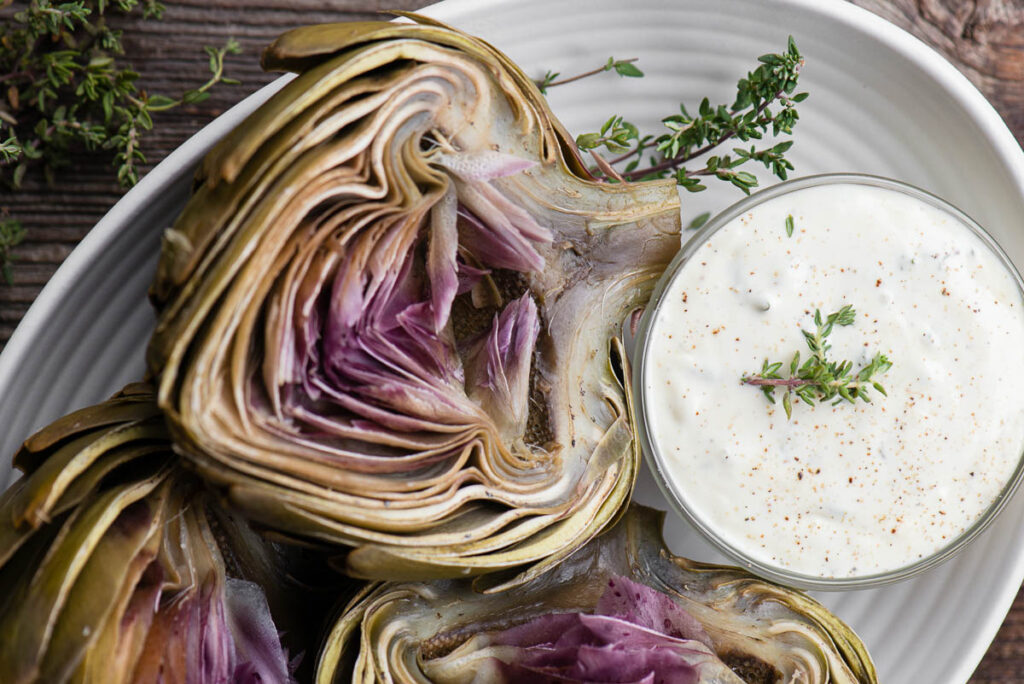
column 984, row 38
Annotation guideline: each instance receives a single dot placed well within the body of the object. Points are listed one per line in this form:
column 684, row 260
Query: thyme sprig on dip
column 820, row 378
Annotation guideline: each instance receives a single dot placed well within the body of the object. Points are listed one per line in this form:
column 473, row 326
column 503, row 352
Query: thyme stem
column 623, row 67
column 676, row 162
column 586, row 74
column 793, row 382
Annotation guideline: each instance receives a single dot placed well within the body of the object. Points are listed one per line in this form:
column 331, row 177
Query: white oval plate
column 881, row 102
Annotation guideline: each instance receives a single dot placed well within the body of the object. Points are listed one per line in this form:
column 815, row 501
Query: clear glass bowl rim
column 654, row 460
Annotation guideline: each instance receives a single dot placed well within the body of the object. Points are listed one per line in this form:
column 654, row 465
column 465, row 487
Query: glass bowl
column 660, row 465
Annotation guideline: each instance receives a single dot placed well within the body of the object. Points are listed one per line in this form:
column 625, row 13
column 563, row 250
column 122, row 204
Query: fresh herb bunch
column 66, row 88
column 765, row 101
column 819, row 378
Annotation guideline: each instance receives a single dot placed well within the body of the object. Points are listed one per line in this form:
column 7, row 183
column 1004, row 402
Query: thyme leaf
column 67, row 88
column 699, row 221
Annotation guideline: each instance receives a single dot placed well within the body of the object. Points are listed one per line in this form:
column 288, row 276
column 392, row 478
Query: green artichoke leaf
column 117, row 560
column 31, row 624
column 621, row 602
column 122, row 567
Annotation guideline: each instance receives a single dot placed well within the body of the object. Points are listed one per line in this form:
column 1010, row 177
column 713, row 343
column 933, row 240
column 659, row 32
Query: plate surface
column 881, row 102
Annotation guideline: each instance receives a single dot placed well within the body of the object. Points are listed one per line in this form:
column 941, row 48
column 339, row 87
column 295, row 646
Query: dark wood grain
column 984, row 38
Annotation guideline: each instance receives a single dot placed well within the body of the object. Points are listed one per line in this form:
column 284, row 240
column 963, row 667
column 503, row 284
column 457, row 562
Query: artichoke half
column 622, row 609
column 112, row 566
column 389, row 315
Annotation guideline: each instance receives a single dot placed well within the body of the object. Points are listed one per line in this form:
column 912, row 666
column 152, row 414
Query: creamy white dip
column 848, row 490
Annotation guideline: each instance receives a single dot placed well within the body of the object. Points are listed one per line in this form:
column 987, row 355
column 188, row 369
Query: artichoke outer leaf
column 30, row 626
column 116, row 564
column 121, row 575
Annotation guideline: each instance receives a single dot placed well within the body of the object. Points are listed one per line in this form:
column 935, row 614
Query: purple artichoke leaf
column 470, row 276
column 599, row 648
column 260, row 656
column 391, row 379
column 442, row 250
column 357, row 303
column 544, row 630
column 211, row 642
column 471, row 173
column 403, row 377
column 496, row 243
column 498, row 365
column 394, row 295
column 647, row 607
column 347, row 300
column 435, row 347
column 505, row 210
column 376, row 269
column 396, row 335
column 413, row 399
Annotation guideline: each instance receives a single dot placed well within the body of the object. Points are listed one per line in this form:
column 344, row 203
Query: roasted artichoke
column 622, row 609
column 389, row 314
column 389, row 324
column 111, row 569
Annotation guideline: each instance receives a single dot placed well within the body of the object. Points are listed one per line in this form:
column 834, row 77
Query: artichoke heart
column 112, row 560
column 621, row 609
column 389, row 315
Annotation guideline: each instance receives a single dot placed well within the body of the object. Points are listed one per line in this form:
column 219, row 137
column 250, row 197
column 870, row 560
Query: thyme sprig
column 64, row 88
column 623, row 67
column 765, row 101
column 11, row 234
column 819, row 378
